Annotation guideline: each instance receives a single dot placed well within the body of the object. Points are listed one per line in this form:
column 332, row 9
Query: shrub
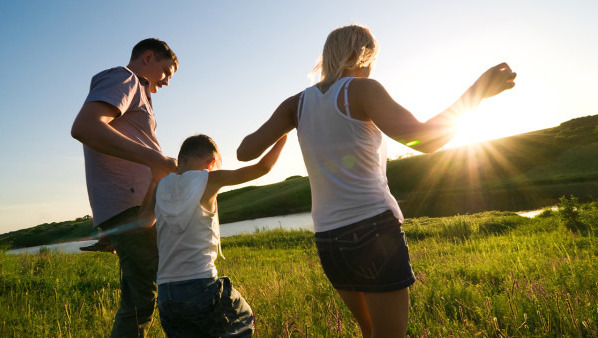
column 589, row 215
column 545, row 213
column 569, row 213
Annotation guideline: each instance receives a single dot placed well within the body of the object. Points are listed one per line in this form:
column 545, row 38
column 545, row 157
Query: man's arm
column 92, row 128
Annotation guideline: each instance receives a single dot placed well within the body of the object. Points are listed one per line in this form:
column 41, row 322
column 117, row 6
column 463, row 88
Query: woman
column 357, row 221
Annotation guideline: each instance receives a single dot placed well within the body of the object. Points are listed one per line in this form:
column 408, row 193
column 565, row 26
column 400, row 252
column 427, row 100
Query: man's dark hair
column 159, row 47
column 198, row 146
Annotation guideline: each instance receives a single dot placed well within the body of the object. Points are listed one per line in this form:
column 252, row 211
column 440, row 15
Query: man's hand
column 163, row 167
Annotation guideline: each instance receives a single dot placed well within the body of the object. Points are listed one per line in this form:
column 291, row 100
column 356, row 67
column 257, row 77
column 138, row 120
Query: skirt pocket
column 365, row 258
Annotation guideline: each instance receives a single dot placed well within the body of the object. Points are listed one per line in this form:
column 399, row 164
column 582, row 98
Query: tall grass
column 488, row 274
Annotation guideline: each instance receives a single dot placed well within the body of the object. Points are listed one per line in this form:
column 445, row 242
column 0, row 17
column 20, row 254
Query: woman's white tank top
column 345, row 160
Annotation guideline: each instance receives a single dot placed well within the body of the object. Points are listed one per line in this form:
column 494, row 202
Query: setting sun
column 496, row 118
column 474, row 129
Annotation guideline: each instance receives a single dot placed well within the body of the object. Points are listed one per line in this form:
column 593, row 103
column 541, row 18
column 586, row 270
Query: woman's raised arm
column 283, row 120
column 373, row 102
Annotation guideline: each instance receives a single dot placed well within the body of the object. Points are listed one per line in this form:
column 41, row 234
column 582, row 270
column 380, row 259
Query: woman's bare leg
column 355, row 301
column 389, row 312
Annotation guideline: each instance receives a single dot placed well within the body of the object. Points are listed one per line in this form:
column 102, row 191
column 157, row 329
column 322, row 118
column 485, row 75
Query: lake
column 534, row 213
column 295, row 221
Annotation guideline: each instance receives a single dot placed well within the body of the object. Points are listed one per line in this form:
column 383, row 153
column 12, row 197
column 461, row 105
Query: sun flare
column 473, row 129
column 501, row 118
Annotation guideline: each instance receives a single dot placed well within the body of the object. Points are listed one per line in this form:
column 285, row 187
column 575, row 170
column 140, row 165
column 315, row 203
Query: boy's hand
column 272, row 156
column 163, row 166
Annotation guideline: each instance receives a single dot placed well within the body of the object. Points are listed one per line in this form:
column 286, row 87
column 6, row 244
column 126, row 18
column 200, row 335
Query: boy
column 192, row 300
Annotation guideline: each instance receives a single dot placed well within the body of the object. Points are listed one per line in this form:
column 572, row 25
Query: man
column 122, row 159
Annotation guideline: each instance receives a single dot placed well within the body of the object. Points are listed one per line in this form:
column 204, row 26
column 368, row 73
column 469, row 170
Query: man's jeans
column 138, row 257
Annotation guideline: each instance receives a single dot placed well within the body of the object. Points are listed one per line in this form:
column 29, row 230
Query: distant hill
column 520, row 172
column 49, row 233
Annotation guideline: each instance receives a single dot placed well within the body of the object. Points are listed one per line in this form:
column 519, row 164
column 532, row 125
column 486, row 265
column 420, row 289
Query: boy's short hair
column 198, row 146
column 160, row 48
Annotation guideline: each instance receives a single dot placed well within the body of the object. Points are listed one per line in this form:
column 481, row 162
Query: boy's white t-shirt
column 188, row 234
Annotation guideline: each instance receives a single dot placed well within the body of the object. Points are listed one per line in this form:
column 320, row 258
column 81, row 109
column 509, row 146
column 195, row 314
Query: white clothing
column 345, row 160
column 188, row 234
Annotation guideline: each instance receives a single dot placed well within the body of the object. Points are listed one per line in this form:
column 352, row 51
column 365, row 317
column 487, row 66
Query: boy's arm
column 220, row 178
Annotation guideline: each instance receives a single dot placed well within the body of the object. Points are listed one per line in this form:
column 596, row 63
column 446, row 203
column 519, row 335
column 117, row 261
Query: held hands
column 221, row 178
column 272, row 156
column 495, row 80
column 163, row 167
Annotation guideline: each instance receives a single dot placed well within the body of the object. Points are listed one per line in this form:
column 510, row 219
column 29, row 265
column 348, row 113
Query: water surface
column 294, row 222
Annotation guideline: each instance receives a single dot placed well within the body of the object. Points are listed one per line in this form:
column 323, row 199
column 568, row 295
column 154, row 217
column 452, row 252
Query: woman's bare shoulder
column 292, row 101
column 367, row 84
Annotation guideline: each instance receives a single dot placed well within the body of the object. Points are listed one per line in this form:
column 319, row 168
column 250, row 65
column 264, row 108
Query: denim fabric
column 138, row 258
column 204, row 308
column 369, row 256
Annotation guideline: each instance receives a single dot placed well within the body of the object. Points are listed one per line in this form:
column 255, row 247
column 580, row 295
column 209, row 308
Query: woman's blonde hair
column 346, row 48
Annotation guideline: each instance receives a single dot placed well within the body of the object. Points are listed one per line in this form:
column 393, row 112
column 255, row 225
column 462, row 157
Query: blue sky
column 239, row 60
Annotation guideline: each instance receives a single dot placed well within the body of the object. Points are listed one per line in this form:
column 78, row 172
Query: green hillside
column 520, row 172
column 49, row 233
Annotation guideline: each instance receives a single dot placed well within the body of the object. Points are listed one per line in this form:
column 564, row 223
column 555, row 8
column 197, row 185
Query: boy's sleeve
column 114, row 86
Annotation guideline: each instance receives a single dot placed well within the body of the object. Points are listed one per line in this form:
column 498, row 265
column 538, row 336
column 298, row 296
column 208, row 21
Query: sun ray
column 472, row 178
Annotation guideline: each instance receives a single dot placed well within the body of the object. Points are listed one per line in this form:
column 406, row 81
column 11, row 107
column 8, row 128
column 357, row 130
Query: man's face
column 158, row 73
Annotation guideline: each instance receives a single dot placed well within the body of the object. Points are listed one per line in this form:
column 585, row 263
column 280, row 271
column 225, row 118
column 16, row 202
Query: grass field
column 487, row 274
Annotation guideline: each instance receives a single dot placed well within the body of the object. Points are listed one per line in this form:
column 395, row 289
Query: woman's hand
column 495, row 80
column 272, row 156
